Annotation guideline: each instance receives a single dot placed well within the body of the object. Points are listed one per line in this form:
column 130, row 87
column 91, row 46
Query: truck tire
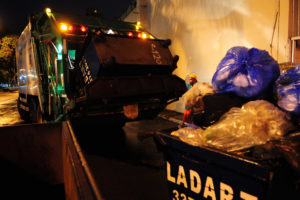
column 35, row 113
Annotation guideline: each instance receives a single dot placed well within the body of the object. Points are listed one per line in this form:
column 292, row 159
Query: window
column 294, row 30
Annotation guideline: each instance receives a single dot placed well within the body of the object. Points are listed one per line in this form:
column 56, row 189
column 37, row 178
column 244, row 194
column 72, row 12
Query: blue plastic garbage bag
column 288, row 90
column 245, row 72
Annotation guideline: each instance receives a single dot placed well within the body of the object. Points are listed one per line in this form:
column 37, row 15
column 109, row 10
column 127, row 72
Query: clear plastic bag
column 256, row 122
column 189, row 135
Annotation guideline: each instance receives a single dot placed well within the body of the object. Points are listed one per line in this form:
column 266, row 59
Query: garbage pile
column 193, row 97
column 251, row 102
column 253, row 124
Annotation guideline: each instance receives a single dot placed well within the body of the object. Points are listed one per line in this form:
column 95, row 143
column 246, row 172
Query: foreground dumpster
column 208, row 173
column 44, row 161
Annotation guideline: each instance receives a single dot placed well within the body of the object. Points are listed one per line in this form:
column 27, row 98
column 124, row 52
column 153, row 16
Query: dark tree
column 7, row 59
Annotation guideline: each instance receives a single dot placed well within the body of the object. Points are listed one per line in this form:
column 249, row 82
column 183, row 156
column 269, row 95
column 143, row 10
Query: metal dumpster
column 206, row 173
column 44, row 161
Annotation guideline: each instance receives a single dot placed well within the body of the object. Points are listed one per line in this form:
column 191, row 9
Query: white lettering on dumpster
column 180, row 175
column 209, row 190
column 181, row 179
column 246, row 196
column 169, row 177
column 195, row 181
column 226, row 192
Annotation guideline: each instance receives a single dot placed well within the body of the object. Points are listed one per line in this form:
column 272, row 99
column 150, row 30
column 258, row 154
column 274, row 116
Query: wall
column 203, row 30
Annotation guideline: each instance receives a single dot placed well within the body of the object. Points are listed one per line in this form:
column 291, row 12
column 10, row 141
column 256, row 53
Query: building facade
column 203, row 30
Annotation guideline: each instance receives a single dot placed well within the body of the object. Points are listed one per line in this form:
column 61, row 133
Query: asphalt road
column 8, row 109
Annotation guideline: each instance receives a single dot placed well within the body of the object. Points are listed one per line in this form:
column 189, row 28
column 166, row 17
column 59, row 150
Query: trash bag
column 271, row 152
column 255, row 123
column 288, row 91
column 190, row 135
column 246, row 72
column 214, row 106
column 289, row 148
column 192, row 98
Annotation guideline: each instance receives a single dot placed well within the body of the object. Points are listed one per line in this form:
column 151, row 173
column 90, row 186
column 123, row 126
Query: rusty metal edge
column 85, row 166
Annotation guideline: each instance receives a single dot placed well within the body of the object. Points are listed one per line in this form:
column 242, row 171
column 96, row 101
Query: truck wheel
column 35, row 113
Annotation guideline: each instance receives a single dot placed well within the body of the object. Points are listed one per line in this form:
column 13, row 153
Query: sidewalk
column 171, row 115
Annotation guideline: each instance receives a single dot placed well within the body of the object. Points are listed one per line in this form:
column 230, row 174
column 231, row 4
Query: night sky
column 14, row 13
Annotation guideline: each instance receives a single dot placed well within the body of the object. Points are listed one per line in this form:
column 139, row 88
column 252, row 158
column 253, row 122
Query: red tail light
column 130, row 34
column 83, row 29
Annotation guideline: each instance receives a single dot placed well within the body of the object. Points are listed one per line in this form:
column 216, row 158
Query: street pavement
column 8, row 109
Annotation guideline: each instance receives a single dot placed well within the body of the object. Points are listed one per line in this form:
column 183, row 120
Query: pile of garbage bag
column 287, row 148
column 288, row 91
column 214, row 106
column 253, row 124
column 193, row 97
column 249, row 103
column 245, row 72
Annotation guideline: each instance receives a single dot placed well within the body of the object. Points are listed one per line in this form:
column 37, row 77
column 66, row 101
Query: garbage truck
column 72, row 66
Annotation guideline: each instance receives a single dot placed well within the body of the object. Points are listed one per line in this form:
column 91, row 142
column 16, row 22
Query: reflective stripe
column 24, row 100
column 24, row 107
